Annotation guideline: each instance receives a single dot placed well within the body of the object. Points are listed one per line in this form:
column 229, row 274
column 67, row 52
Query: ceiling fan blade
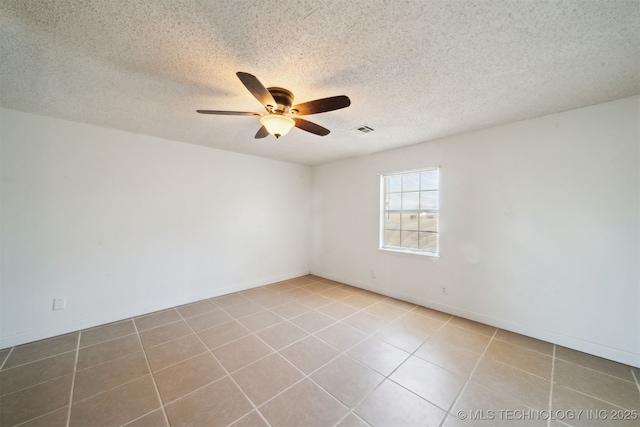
column 228, row 113
column 311, row 127
column 256, row 88
column 322, row 105
column 262, row 133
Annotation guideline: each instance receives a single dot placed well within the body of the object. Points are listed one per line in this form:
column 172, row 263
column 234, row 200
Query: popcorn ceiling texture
column 414, row 70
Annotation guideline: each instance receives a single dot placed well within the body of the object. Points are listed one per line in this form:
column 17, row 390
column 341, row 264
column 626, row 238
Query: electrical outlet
column 59, row 303
column 444, row 290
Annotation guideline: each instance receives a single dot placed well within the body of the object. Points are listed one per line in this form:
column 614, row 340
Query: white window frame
column 384, row 201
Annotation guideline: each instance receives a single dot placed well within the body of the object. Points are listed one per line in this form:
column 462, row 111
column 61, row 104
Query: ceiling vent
column 363, row 130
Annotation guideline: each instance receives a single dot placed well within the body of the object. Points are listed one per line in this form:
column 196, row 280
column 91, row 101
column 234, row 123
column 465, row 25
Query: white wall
column 123, row 224
column 539, row 228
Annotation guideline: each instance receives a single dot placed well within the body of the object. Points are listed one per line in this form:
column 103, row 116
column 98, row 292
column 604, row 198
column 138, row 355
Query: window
column 409, row 212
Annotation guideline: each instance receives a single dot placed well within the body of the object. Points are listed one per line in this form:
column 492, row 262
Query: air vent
column 362, row 130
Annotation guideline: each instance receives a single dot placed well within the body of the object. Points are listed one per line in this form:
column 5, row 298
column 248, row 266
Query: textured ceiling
column 414, row 70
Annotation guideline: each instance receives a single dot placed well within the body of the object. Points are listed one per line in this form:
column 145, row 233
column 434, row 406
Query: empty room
column 319, row 213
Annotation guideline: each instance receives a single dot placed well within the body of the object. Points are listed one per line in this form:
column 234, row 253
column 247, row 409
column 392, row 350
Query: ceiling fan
column 281, row 114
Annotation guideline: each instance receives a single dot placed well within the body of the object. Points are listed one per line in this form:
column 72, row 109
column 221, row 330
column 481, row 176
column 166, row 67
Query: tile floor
column 309, row 352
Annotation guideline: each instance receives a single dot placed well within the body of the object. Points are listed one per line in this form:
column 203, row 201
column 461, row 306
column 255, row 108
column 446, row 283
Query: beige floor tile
column 431, row 382
column 385, row 311
column 208, row 320
column 304, row 404
column 359, row 301
column 347, row 380
column 258, row 293
column 341, row 336
column 105, row 376
column 107, row 332
column 302, row 281
column 522, row 386
column 223, row 334
column 319, row 287
column 165, row 333
column 260, row 320
column 271, row 300
column 105, row 351
column 28, row 353
column 281, row 286
column 309, row 354
column 152, row 419
column 315, row 301
column 424, row 324
column 336, row 293
column 229, row 300
column 57, row 418
column 597, row 384
column 595, row 413
column 282, row 334
column 449, row 356
column 189, row 375
column 434, row 314
column 156, row 319
column 352, row 420
column 338, row 310
column 295, row 294
column 401, row 304
column 35, row 401
column 23, row 376
column 313, row 321
column 462, row 338
column 242, row 352
column 217, row 404
column 175, row 351
column 117, row 406
column 470, row 325
column 252, row 419
column 393, row 405
column 373, row 295
column 524, row 341
column 378, row 355
column 407, row 339
column 351, row 289
column 266, row 378
column 243, row 309
column 196, row 308
column 366, row 322
column 290, row 309
column 520, row 357
column 596, row 363
column 481, row 406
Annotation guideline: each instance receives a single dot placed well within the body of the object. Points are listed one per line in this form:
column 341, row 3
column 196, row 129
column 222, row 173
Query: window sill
column 410, row 252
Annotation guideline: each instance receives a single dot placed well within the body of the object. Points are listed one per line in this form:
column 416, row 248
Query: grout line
column 7, row 358
column 633, row 374
column 596, row 370
column 227, row 374
column 468, row 379
column 153, row 378
column 73, row 380
column 553, row 368
column 108, row 340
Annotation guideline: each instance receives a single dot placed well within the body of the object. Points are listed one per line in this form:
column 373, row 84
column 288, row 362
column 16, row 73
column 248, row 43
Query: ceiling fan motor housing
column 283, row 98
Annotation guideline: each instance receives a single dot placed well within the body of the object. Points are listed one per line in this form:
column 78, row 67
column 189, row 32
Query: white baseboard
column 76, row 325
column 611, row 353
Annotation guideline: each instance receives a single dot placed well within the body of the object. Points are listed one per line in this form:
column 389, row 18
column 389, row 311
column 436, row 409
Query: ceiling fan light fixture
column 277, row 124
